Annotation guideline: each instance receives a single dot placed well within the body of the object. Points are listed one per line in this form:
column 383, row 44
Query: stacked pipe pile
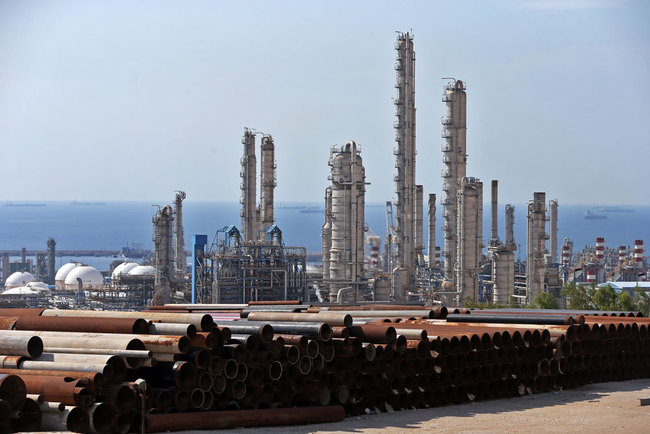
column 267, row 364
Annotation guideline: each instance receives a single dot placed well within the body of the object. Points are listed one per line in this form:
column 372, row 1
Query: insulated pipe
column 333, row 319
column 341, row 292
column 203, row 322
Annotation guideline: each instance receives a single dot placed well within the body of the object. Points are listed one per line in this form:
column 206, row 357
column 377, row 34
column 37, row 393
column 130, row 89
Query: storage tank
column 381, row 289
column 62, row 273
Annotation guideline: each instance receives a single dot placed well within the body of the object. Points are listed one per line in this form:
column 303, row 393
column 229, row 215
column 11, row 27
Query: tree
column 625, row 302
column 605, row 298
column 579, row 297
column 642, row 301
column 545, row 300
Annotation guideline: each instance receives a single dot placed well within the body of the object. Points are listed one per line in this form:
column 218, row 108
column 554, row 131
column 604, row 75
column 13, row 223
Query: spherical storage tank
column 59, row 278
column 90, row 278
column 18, row 279
column 143, row 270
column 123, row 268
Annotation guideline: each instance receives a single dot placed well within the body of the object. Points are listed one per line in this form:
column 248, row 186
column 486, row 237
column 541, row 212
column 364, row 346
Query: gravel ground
column 601, row 407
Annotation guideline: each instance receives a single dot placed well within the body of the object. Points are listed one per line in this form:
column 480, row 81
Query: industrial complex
column 249, row 333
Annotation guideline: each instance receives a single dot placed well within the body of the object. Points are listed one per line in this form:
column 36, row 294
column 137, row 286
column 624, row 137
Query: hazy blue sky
column 131, row 100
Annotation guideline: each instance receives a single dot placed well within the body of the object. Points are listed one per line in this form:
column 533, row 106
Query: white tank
column 123, row 268
column 18, row 279
column 142, row 270
column 90, row 278
column 62, row 273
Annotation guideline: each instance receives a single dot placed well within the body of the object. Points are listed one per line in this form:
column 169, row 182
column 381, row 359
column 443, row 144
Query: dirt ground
column 602, row 407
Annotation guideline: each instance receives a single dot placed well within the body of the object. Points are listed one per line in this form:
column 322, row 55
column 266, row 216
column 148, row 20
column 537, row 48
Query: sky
column 132, row 100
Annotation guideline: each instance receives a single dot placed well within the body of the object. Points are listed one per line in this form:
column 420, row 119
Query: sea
column 113, row 225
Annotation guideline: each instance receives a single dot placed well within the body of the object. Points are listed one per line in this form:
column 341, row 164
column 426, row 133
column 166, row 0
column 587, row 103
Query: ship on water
column 594, row 216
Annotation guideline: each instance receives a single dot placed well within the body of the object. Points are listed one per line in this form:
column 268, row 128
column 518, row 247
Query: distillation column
column 51, row 260
column 248, row 199
column 455, row 159
column 348, row 220
column 163, row 223
column 510, row 225
column 469, row 236
column 405, row 163
column 552, row 243
column 535, row 246
column 494, row 226
column 503, row 258
column 180, row 241
column 419, row 221
column 267, row 181
column 327, row 233
column 431, row 250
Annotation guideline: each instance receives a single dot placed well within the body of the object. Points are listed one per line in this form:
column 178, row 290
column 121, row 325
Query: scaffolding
column 243, row 271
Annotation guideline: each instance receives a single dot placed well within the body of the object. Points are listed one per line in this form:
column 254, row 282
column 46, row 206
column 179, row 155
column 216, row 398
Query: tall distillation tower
column 267, row 181
column 552, row 243
column 455, row 159
column 405, row 242
column 503, row 258
column 535, row 245
column 346, row 217
column 249, row 217
column 178, row 225
column 470, row 237
column 164, row 262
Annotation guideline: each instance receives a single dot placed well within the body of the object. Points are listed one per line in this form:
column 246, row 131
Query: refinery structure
column 248, row 260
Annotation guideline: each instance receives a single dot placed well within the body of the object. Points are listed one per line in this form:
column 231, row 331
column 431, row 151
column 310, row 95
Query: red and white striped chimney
column 566, row 254
column 600, row 248
column 591, row 276
column 638, row 252
column 622, row 254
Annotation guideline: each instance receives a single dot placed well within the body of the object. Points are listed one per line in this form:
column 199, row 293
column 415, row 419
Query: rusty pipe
column 81, row 324
column 203, row 322
column 102, row 418
column 333, row 319
column 244, row 418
